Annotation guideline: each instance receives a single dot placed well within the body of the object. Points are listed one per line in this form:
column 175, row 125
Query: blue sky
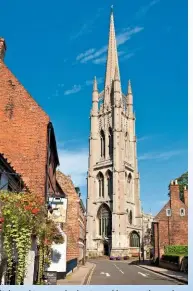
column 48, row 44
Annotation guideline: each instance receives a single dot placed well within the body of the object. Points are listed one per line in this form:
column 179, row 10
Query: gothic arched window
column 100, row 179
column 105, row 220
column 110, row 142
column 102, row 143
column 129, row 184
column 109, row 183
column 130, row 217
column 134, row 239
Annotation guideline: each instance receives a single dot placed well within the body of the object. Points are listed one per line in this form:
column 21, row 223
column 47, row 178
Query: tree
column 182, row 181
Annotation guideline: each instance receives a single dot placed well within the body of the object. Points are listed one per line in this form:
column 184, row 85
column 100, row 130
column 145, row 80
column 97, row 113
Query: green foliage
column 182, row 181
column 25, row 215
column 21, row 215
column 176, row 250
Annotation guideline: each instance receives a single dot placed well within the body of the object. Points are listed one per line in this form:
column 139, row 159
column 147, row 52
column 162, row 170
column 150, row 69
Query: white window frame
column 168, row 212
column 182, row 209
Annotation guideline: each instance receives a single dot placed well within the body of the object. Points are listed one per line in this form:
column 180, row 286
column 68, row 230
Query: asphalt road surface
column 109, row 272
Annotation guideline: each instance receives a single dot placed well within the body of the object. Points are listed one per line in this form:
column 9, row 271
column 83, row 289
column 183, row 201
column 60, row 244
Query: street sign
column 51, row 278
column 59, row 206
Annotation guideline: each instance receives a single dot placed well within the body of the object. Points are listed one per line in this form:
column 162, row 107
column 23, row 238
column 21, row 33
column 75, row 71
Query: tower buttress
column 93, row 126
column 95, row 96
column 129, row 99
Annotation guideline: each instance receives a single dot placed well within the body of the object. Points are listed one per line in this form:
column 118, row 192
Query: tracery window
column 105, row 221
column 102, row 144
column 129, row 185
column 109, row 183
column 100, row 179
column 130, row 217
column 110, row 142
column 134, row 239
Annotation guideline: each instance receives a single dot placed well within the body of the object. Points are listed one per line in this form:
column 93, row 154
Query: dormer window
column 182, row 212
column 168, row 212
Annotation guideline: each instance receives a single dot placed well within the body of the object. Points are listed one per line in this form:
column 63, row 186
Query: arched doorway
column 106, row 248
column 105, row 227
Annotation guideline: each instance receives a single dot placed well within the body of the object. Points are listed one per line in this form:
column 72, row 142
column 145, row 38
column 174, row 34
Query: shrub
column 170, row 259
column 118, row 258
column 176, row 250
column 126, row 257
column 112, row 258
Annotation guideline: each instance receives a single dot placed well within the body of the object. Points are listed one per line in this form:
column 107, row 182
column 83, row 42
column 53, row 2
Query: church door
column 106, row 248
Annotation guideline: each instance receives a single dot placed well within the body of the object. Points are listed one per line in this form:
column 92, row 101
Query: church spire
column 112, row 60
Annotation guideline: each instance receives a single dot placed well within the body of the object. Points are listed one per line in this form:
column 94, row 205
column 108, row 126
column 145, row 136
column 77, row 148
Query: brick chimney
column 174, row 191
column 185, row 196
column 2, row 48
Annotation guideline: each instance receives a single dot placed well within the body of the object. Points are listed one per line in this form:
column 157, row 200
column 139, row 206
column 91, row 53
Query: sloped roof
column 66, row 184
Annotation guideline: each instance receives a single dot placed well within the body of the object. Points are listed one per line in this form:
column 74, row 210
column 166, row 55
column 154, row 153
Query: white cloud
column 160, row 156
column 83, row 30
column 85, row 54
column 75, row 89
column 95, row 55
column 128, row 56
column 101, row 60
column 87, row 27
column 127, row 34
column 98, row 57
column 75, row 164
column 143, row 10
column 143, row 138
column 147, row 137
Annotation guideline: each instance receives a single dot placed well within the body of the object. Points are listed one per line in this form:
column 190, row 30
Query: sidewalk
column 79, row 276
column 180, row 276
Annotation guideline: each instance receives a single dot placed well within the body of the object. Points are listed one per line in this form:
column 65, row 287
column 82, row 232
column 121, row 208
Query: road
column 108, row 272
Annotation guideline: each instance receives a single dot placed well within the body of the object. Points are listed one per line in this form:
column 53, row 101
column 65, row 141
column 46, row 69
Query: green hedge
column 176, row 250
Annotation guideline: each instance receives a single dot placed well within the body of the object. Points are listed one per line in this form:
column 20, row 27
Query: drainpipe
column 48, row 154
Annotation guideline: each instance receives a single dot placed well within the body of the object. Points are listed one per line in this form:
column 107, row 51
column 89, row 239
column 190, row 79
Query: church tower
column 113, row 200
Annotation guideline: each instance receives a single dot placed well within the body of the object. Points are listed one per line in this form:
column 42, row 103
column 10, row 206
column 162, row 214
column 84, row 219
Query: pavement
column 180, row 276
column 79, row 276
column 106, row 272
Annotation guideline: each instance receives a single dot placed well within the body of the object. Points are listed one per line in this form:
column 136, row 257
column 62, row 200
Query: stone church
column 113, row 198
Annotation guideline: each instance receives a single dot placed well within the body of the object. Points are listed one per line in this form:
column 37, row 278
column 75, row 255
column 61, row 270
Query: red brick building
column 75, row 226
column 27, row 137
column 170, row 226
column 82, row 231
